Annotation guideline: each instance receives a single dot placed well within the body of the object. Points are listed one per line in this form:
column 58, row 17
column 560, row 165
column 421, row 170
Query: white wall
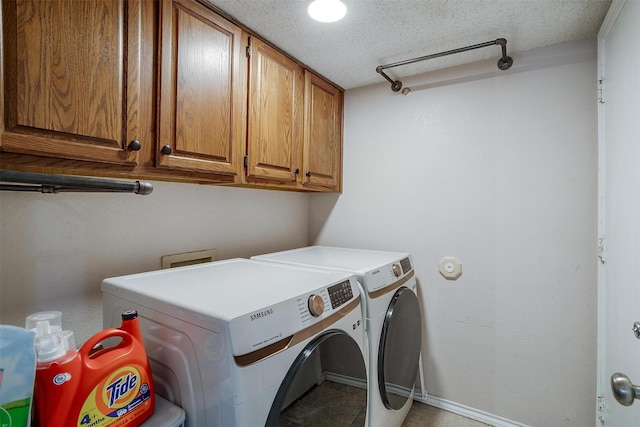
column 500, row 170
column 56, row 249
column 495, row 168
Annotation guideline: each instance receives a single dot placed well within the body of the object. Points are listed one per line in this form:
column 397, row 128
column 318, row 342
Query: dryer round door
column 399, row 350
column 313, row 392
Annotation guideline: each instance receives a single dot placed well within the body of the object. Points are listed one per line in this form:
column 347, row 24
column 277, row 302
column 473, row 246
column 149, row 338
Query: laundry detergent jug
column 97, row 385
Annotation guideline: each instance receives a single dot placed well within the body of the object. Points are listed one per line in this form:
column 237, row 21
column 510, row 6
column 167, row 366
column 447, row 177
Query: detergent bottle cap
column 129, row 315
column 54, row 346
column 44, row 322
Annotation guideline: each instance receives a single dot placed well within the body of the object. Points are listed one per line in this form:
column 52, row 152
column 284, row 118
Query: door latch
column 636, row 329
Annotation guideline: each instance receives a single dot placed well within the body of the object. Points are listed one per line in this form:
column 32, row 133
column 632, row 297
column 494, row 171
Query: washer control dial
column 397, row 271
column 316, row 305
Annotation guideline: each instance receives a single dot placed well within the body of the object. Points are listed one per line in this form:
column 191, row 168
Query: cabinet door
column 202, row 90
column 322, row 150
column 71, row 78
column 275, row 116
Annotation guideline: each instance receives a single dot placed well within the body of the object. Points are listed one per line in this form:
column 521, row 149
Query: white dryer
column 393, row 322
column 237, row 342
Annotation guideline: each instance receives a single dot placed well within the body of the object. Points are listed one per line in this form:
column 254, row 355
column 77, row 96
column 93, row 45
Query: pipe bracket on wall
column 43, row 183
column 504, row 63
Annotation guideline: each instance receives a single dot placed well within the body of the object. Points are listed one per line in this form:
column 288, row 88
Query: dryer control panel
column 386, row 275
column 406, row 265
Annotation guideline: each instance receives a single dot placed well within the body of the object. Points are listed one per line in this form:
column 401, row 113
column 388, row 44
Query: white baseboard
column 343, row 379
column 447, row 405
column 466, row 411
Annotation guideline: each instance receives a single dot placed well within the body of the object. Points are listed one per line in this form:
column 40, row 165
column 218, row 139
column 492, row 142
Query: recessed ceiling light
column 327, row 10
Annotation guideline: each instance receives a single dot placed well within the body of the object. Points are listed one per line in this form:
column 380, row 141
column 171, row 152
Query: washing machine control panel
column 340, row 293
column 315, row 303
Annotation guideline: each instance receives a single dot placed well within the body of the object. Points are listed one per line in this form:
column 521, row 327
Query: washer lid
column 258, row 301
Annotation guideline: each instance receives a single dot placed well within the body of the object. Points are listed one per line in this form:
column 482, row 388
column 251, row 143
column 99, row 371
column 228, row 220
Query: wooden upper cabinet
column 71, row 78
column 274, row 135
column 161, row 88
column 322, row 150
column 202, row 96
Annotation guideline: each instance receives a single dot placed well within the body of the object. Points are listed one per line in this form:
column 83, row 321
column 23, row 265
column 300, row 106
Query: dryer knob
column 316, row 305
column 397, row 271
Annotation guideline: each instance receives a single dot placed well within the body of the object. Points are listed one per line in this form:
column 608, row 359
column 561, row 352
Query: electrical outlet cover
column 450, row 268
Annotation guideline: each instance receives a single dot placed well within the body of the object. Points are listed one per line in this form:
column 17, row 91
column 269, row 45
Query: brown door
column 202, row 90
column 275, row 116
column 323, row 133
column 71, row 79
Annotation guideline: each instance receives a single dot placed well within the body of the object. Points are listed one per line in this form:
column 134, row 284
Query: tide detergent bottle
column 94, row 386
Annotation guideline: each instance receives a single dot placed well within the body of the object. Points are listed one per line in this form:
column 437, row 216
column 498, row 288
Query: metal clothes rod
column 504, row 63
column 44, row 183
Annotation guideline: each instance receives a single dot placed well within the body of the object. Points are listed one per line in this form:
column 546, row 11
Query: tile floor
column 332, row 404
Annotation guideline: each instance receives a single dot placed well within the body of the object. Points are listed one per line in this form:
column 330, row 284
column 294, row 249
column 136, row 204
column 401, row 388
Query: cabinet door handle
column 297, row 171
column 308, row 174
column 166, row 150
column 135, row 145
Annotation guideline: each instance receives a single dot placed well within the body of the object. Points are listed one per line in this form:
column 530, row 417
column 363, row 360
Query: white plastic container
column 166, row 414
column 17, row 374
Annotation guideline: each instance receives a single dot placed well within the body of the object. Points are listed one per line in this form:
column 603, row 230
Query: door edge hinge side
column 246, row 161
column 248, row 51
column 602, row 410
column 600, row 91
column 601, row 249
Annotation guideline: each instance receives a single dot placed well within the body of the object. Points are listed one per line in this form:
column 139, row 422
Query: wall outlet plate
column 450, row 268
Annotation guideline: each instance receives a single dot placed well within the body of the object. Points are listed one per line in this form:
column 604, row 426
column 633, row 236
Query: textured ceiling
column 376, row 32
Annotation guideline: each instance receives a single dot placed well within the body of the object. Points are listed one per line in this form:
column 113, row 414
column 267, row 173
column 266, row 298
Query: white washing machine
column 240, row 342
column 393, row 322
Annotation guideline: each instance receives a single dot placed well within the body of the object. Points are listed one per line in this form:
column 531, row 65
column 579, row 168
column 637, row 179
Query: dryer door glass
column 399, row 351
column 314, row 393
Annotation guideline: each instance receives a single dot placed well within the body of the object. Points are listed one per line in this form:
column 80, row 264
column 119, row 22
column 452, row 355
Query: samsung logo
column 375, row 272
column 261, row 314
